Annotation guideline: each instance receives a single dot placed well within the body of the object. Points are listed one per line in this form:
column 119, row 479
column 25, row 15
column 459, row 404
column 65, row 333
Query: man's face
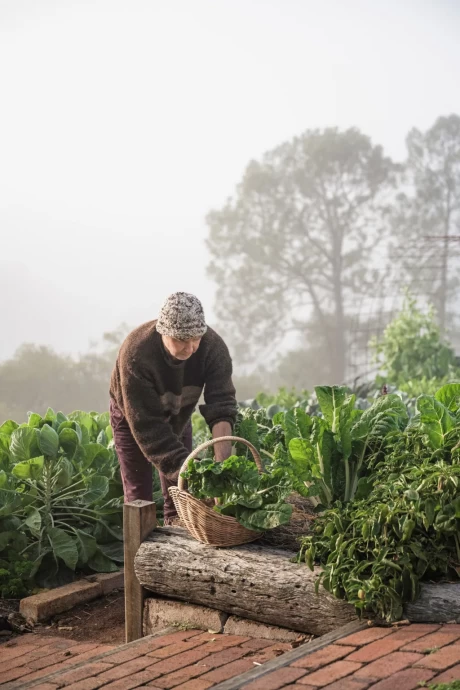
column 181, row 349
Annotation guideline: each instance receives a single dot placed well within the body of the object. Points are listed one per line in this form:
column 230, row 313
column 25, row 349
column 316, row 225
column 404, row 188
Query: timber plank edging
column 289, row 657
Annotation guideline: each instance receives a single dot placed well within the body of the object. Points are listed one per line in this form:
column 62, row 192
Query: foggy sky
column 122, row 123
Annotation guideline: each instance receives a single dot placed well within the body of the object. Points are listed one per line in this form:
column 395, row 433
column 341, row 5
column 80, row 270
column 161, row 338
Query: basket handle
column 211, row 442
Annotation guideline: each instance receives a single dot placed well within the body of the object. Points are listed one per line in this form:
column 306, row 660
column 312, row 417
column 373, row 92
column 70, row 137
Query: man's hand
column 223, row 450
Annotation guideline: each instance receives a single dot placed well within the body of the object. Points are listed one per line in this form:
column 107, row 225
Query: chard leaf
column 33, row 520
column 86, row 546
column 34, row 420
column 8, row 427
column 100, row 563
column 30, row 469
column 93, row 451
column 436, row 420
column 24, row 445
column 63, row 473
column 266, row 518
column 449, row 396
column 296, row 424
column 5, row 443
column 96, row 488
column 331, row 399
column 248, row 430
column 114, row 551
column 68, row 438
column 48, row 441
column 63, row 546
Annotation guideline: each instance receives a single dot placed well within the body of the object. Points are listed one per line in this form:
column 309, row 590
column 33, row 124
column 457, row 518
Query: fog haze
column 123, row 123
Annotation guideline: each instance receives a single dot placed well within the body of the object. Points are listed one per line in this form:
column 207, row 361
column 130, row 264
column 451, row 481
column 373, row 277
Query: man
column 161, row 371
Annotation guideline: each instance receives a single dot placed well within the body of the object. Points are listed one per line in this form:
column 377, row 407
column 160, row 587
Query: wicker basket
column 203, row 523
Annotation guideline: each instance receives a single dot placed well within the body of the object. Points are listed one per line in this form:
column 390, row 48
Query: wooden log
column 139, row 519
column 250, row 581
column 438, row 603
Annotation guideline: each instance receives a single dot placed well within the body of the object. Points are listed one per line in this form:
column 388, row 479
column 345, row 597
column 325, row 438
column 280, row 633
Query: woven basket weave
column 203, row 523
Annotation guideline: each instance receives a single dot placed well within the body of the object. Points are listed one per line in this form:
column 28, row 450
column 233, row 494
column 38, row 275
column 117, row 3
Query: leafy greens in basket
column 256, row 500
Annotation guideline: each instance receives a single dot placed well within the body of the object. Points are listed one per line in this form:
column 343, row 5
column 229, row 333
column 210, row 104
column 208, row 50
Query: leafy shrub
column 15, row 576
column 412, row 347
column 375, row 551
column 61, row 495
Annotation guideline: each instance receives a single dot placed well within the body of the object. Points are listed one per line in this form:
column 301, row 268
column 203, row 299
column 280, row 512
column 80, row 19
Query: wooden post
column 139, row 519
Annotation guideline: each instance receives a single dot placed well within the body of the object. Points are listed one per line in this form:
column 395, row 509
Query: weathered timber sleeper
column 250, row 581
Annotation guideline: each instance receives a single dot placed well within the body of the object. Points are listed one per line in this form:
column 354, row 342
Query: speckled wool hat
column 182, row 317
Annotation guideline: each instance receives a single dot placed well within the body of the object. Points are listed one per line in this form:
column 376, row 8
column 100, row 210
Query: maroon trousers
column 136, row 470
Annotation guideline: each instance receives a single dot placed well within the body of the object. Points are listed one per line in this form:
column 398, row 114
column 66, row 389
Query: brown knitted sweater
column 158, row 396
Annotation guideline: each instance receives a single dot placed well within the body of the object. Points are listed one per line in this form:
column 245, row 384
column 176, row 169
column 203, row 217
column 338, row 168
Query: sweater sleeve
column 219, row 391
column 145, row 417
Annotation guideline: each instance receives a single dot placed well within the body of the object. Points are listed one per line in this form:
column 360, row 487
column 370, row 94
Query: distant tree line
column 319, row 223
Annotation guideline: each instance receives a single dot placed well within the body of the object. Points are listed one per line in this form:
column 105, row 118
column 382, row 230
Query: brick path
column 378, row 658
column 164, row 661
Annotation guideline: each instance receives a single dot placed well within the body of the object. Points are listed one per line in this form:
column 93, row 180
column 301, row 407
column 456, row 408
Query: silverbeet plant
column 256, row 500
column 332, row 450
column 60, row 496
column 374, row 552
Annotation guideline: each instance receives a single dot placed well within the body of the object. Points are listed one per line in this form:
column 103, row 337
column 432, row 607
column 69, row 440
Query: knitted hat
column 182, row 317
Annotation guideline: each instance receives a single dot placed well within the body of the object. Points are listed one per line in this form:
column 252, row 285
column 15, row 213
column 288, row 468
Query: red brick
column 85, row 671
column 323, row 656
column 349, row 683
column 236, row 668
column 61, row 655
column 409, row 679
column 385, row 666
column 43, row 672
column 125, row 669
column 276, row 679
column 134, row 681
column 449, row 675
column 256, row 644
column 376, row 650
column 331, row 673
column 123, row 656
column 63, row 665
column 224, row 657
column 442, row 659
column 174, row 663
column 439, row 639
column 170, row 680
column 43, row 655
column 177, row 648
column 8, row 653
column 194, row 685
column 365, row 636
column 14, row 673
column 87, row 684
column 46, row 686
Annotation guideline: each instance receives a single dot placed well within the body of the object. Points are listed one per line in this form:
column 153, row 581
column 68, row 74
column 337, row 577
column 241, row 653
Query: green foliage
column 453, row 685
column 284, row 398
column 333, row 449
column 256, row 500
column 15, row 576
column 375, row 550
column 412, row 347
column 60, row 495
